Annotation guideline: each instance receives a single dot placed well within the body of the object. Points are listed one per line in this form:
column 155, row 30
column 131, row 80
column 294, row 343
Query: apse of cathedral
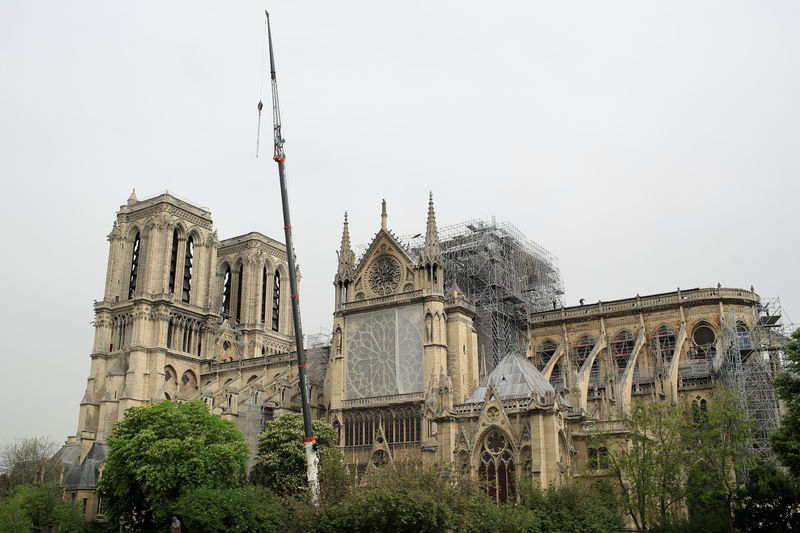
column 451, row 346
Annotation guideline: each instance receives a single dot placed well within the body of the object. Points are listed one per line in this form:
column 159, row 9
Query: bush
column 236, row 510
column 34, row 508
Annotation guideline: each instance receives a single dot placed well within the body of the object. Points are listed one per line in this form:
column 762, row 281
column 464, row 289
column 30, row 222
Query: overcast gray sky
column 648, row 145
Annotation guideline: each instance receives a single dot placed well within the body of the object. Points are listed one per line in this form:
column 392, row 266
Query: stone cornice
column 648, row 304
column 403, row 298
column 166, row 202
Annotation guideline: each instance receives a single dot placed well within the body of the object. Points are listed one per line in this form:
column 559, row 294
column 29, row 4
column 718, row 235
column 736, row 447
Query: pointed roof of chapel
column 513, row 377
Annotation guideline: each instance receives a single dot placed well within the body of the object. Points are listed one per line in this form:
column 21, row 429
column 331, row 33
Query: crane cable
column 261, row 85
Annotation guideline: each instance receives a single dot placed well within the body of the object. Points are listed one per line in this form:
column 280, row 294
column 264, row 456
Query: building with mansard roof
column 452, row 345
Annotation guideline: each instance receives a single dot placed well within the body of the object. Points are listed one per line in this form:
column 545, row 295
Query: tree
column 647, row 463
column 281, row 461
column 717, row 440
column 770, row 501
column 786, row 440
column 159, row 453
column 25, row 460
column 37, row 508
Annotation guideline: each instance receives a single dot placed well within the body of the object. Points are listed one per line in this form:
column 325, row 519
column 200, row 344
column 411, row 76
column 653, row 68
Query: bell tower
column 157, row 304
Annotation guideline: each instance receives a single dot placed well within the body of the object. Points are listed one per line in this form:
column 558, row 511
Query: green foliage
column 159, row 453
column 410, row 496
column 573, row 506
column 13, row 518
column 678, row 456
column 407, row 497
column 233, row 510
column 649, row 467
column 281, row 461
column 786, row 441
column 717, row 448
column 769, row 502
column 36, row 508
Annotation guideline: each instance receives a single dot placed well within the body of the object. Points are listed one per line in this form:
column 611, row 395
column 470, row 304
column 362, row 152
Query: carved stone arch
column 170, row 375
column 282, row 270
column 179, row 226
column 134, row 228
column 196, row 235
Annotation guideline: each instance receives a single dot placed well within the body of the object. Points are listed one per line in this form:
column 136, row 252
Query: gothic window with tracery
column 621, row 349
column 276, row 300
column 239, row 294
column 173, row 261
column 662, row 345
column 187, row 269
column 264, row 295
column 226, row 294
column 134, row 266
column 496, row 469
column 704, row 340
column 544, row 352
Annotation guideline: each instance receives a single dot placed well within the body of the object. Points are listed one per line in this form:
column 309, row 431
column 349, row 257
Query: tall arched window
column 544, row 352
column 581, row 350
column 662, row 345
column 496, row 469
column 134, row 266
column 239, row 294
column 276, row 300
column 704, row 340
column 621, row 349
column 173, row 262
column 743, row 339
column 226, row 294
column 264, row 295
column 187, row 269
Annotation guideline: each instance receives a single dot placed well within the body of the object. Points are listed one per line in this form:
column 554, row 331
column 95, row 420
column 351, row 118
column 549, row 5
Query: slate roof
column 513, row 377
column 88, row 472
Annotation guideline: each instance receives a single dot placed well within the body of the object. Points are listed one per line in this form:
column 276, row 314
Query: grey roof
column 87, row 473
column 513, row 377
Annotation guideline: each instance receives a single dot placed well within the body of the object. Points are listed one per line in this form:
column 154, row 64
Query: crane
column 312, row 458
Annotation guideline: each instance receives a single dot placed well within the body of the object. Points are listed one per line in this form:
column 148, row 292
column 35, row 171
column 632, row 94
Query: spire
column 347, row 257
column 132, row 198
column 383, row 214
column 345, row 237
column 432, row 252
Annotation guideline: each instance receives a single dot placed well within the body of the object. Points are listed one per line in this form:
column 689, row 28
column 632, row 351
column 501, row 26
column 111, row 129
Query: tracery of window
column 380, row 458
column 173, row 261
column 621, row 349
column 276, row 300
column 187, row 269
column 400, row 425
column 134, row 266
column 264, row 295
column 704, row 339
column 226, row 294
column 496, row 469
column 544, row 352
column 743, row 339
column 598, row 458
column 662, row 345
column 581, row 350
column 239, row 294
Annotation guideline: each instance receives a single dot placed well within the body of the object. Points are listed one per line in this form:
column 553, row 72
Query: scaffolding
column 750, row 360
column 505, row 275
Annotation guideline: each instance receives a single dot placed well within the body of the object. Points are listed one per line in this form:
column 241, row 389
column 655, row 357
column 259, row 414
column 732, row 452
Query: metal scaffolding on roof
column 505, row 275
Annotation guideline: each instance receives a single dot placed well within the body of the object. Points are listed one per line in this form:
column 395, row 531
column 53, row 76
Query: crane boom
column 312, row 459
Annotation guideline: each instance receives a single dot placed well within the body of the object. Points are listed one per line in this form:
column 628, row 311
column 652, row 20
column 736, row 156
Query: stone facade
column 186, row 316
